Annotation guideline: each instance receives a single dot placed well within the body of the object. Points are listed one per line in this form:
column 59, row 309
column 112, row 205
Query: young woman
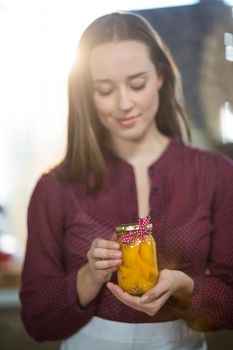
column 125, row 160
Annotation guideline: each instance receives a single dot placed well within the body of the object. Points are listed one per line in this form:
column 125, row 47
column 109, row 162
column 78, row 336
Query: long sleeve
column 50, row 308
column 212, row 301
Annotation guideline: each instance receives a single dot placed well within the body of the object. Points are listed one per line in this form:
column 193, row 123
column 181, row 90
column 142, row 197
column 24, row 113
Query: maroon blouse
column 191, row 205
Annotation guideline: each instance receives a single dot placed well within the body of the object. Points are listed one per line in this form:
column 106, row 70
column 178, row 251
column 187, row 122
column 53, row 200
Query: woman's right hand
column 104, row 257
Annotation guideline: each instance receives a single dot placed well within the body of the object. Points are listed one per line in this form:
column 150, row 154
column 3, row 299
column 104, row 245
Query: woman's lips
column 129, row 121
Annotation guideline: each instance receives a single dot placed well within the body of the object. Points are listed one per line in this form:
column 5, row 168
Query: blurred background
column 38, row 40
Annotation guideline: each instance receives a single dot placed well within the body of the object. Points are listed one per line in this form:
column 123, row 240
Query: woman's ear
column 160, row 81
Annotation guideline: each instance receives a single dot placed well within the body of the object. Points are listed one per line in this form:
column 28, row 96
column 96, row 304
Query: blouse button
column 156, row 189
column 154, row 213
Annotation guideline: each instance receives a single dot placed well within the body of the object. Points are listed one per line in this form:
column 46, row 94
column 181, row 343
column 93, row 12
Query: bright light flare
column 226, row 120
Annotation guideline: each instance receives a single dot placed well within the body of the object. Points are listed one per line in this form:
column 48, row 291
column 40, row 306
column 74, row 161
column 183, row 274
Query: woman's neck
column 140, row 152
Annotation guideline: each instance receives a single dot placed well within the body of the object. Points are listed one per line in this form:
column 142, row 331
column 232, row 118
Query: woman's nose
column 125, row 102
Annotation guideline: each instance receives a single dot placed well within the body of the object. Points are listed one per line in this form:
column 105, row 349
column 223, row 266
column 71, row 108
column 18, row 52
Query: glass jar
column 139, row 270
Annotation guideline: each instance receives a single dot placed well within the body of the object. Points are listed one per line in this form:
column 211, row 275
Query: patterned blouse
column 191, row 208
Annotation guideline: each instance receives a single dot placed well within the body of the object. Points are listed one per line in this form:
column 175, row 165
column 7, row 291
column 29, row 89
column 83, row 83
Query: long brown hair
column 85, row 146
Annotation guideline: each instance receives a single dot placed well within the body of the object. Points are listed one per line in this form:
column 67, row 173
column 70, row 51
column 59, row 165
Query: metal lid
column 130, row 227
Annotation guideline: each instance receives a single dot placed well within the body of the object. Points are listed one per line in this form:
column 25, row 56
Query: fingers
column 101, row 247
column 104, row 249
column 153, row 307
column 104, row 254
column 152, row 301
column 150, row 308
column 156, row 292
column 104, row 243
column 107, row 264
column 124, row 297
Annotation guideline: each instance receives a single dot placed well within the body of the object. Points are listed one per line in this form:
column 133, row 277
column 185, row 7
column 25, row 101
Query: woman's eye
column 104, row 93
column 138, row 86
column 103, row 90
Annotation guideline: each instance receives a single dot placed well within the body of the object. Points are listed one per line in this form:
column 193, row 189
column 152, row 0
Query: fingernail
column 110, row 287
column 117, row 254
column 144, row 298
column 118, row 262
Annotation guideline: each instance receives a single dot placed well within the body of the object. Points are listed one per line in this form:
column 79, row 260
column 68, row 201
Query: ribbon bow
column 143, row 222
column 138, row 234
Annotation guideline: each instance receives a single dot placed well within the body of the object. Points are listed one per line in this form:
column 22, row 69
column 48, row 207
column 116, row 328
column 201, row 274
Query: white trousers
column 100, row 334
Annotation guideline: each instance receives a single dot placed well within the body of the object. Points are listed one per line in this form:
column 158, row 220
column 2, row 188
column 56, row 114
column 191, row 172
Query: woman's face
column 125, row 88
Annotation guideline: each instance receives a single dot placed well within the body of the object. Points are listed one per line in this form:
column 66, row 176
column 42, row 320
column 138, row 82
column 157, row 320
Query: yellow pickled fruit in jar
column 147, row 252
column 123, row 280
column 128, row 277
column 129, row 253
column 145, row 285
column 144, row 268
column 139, row 271
column 123, row 271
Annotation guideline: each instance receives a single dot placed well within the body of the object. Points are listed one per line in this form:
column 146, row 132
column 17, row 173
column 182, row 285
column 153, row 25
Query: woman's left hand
column 171, row 282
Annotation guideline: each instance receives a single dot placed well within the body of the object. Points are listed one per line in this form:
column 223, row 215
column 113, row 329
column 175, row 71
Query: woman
column 126, row 159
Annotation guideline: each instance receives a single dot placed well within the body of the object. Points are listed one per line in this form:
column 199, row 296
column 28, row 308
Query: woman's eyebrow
column 130, row 77
column 97, row 81
column 137, row 75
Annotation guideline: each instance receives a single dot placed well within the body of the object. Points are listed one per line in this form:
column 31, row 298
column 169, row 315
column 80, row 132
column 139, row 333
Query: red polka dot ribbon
column 143, row 222
column 137, row 235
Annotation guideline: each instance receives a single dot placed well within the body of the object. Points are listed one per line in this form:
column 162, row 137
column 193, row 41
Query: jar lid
column 130, row 227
